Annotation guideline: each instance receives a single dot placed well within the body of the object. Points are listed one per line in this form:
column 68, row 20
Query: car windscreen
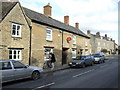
column 96, row 55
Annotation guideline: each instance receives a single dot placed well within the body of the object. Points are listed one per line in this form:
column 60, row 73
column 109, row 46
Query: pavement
column 62, row 67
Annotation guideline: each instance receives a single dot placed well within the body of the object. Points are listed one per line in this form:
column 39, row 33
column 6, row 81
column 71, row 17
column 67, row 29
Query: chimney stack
column 88, row 32
column 48, row 10
column 77, row 25
column 66, row 20
column 105, row 35
column 111, row 39
column 98, row 33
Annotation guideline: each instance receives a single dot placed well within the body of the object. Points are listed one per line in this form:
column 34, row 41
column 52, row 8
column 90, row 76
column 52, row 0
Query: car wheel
column 83, row 65
column 103, row 61
column 99, row 61
column 35, row 75
column 92, row 63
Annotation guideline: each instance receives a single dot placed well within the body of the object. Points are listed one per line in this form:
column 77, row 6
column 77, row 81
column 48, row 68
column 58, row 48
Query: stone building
column 30, row 36
column 100, row 43
column 14, row 33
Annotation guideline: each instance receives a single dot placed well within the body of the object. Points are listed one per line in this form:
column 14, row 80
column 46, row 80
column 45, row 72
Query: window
column 15, row 54
column 49, row 34
column 74, row 39
column 47, row 53
column 73, row 53
column 17, row 64
column 6, row 65
column 98, row 43
column 16, row 30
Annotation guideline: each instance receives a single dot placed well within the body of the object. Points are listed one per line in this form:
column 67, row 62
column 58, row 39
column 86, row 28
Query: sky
column 95, row 15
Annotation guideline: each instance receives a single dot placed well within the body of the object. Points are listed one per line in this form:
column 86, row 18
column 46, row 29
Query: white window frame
column 16, row 31
column 74, row 39
column 74, row 53
column 47, row 51
column 49, row 35
column 18, row 55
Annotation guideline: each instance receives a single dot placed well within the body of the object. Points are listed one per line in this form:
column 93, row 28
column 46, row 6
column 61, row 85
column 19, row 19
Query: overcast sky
column 95, row 15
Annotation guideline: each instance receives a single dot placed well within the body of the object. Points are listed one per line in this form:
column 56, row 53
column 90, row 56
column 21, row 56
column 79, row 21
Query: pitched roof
column 41, row 18
column 6, row 8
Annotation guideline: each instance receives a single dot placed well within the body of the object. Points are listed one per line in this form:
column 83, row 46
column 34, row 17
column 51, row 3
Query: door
column 64, row 56
column 21, row 71
column 7, row 71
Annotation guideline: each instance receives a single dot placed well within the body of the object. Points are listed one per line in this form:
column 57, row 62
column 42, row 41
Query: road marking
column 83, row 73
column 44, row 86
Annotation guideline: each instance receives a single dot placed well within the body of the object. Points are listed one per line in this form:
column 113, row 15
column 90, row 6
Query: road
column 103, row 75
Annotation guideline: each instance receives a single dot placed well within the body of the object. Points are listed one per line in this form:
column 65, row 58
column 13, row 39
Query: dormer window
column 16, row 30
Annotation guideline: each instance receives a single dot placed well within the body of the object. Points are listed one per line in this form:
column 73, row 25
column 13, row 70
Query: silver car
column 99, row 57
column 14, row 70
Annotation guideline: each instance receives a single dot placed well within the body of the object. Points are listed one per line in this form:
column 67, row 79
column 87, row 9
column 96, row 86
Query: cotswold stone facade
column 15, row 33
column 30, row 37
column 100, row 43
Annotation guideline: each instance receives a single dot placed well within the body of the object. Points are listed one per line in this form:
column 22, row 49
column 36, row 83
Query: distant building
column 101, row 43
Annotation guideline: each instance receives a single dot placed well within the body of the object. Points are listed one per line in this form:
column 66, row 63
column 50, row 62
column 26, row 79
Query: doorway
column 64, row 56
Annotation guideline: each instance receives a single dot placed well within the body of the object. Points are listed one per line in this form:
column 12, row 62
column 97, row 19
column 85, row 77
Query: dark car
column 82, row 61
column 99, row 57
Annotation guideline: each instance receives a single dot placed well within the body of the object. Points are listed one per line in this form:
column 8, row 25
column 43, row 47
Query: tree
column 104, row 50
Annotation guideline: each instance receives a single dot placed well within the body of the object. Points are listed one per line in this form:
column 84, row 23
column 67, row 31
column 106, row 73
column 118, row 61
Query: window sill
column 49, row 40
column 16, row 37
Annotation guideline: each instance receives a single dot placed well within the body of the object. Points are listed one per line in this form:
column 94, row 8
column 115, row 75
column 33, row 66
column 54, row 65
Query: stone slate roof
column 40, row 18
column 6, row 8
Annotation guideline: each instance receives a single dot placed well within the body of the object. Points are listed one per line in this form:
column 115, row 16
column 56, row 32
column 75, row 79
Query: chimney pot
column 105, row 35
column 48, row 10
column 66, row 20
column 77, row 25
column 88, row 32
column 98, row 33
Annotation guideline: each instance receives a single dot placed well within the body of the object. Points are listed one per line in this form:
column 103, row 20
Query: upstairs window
column 74, row 39
column 48, row 34
column 16, row 30
column 15, row 54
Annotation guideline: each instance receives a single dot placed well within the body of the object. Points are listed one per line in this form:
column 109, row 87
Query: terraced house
column 29, row 36
column 101, row 43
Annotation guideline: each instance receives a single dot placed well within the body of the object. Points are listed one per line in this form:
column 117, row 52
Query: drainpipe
column 30, row 45
column 62, row 48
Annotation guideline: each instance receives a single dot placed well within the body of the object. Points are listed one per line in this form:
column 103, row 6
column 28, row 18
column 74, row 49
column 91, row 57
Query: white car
column 99, row 57
column 15, row 70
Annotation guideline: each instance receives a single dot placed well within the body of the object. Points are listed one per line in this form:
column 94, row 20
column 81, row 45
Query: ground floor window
column 73, row 53
column 15, row 54
column 47, row 53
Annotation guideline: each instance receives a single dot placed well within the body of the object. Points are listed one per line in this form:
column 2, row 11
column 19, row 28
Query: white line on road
column 83, row 73
column 44, row 86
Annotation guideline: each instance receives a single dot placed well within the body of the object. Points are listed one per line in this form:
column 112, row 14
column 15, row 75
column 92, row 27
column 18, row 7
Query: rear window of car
column 6, row 65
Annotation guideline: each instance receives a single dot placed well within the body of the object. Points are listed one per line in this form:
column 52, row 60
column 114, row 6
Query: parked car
column 99, row 57
column 15, row 70
column 82, row 61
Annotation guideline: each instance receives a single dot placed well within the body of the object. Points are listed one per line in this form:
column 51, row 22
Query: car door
column 7, row 71
column 86, row 60
column 21, row 70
